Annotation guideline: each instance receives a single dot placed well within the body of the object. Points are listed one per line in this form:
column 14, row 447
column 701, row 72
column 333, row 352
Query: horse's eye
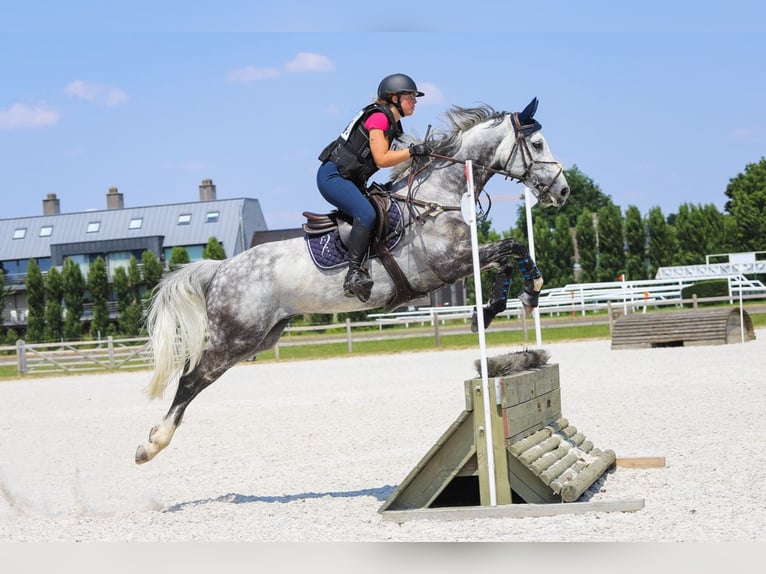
column 538, row 145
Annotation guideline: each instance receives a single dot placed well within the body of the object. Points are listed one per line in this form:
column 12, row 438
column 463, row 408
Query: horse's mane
column 448, row 142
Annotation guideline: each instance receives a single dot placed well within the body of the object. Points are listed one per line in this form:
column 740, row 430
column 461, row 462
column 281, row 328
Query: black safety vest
column 351, row 150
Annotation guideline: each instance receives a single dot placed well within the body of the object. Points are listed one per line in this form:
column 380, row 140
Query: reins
column 521, row 145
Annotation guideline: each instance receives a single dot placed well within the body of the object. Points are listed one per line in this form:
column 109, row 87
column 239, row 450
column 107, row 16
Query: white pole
column 469, row 205
column 624, row 296
column 741, row 312
column 530, row 200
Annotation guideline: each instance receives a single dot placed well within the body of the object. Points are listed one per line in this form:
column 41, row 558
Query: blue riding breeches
column 344, row 194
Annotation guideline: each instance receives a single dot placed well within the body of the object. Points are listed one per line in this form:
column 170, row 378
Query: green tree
column 663, row 245
column 11, row 336
column 35, row 303
column 544, row 252
column 747, row 206
column 584, row 194
column 122, row 291
column 635, row 240
column 152, row 271
column 134, row 277
column 74, row 293
column 98, row 285
column 54, row 293
column 585, row 232
column 178, row 256
column 213, row 250
column 699, row 229
column 611, row 244
column 562, row 256
column 4, row 292
column 128, row 304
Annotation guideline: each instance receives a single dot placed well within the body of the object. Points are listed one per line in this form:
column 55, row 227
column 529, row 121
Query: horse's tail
column 177, row 322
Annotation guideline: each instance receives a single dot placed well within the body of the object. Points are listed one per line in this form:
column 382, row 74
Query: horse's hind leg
column 213, row 363
column 189, row 386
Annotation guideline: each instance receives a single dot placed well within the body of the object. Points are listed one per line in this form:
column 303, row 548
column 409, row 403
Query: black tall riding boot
column 358, row 282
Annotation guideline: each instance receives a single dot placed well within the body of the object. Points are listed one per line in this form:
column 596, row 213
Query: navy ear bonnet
column 529, row 124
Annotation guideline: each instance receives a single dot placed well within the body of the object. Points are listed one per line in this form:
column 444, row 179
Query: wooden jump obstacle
column 716, row 326
column 540, row 458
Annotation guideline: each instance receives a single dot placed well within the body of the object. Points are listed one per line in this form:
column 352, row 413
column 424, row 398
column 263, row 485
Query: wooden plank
column 526, row 385
column 495, row 426
column 641, row 462
column 513, row 510
column 528, row 486
column 530, row 416
column 693, row 327
column 437, row 468
column 574, row 488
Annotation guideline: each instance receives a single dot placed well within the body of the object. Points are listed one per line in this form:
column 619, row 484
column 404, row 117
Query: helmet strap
column 398, row 104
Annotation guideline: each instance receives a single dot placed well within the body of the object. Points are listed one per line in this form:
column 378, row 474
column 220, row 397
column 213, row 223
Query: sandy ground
column 309, row 451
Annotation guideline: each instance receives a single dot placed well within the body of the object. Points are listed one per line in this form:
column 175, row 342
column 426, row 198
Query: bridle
column 520, row 146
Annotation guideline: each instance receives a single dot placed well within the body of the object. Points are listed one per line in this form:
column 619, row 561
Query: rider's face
column 408, row 102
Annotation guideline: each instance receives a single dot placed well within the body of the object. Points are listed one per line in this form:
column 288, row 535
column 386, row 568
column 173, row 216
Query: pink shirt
column 377, row 121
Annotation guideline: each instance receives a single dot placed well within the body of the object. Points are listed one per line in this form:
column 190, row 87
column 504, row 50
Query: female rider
column 348, row 162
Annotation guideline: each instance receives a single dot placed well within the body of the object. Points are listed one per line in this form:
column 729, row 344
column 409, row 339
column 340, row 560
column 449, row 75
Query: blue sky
column 659, row 104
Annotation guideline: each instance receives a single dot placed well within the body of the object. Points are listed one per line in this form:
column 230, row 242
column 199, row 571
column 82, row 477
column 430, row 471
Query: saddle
column 384, row 230
column 327, row 236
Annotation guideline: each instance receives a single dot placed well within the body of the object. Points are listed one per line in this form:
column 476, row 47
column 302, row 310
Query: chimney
column 207, row 190
column 114, row 199
column 51, row 205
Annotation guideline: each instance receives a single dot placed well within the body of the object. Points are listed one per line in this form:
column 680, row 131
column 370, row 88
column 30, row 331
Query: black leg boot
column 533, row 283
column 496, row 304
column 358, row 282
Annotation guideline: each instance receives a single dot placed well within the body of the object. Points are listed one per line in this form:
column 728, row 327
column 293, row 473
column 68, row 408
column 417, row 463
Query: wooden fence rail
column 135, row 353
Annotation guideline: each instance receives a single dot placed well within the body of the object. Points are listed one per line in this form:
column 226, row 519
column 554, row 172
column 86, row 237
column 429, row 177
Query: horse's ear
column 526, row 115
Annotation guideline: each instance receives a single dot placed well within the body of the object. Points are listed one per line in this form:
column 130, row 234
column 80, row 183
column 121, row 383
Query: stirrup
column 358, row 284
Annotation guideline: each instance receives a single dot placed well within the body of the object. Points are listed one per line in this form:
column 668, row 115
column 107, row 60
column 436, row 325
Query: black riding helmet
column 397, row 84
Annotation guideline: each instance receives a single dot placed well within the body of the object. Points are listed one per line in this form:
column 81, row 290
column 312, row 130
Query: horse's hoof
column 141, row 455
column 529, row 301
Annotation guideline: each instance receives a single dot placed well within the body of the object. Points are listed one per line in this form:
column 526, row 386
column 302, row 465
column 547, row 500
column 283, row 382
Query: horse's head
column 525, row 156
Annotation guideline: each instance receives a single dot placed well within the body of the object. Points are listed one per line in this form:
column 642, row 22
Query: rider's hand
column 419, row 149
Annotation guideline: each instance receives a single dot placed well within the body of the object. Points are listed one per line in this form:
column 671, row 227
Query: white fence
column 577, row 299
column 583, row 297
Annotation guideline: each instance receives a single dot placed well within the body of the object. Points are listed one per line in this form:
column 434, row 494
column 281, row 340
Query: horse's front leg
column 499, row 253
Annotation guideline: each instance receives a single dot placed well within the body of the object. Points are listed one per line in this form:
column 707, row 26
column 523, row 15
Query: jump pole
column 529, row 201
column 468, row 210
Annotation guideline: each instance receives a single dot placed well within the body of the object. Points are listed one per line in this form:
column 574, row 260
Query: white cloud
column 252, row 74
column 22, row 116
column 432, row 94
column 743, row 134
column 302, row 62
column 100, row 94
column 308, row 62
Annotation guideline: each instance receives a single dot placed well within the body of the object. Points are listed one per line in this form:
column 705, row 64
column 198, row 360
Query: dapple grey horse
column 208, row 315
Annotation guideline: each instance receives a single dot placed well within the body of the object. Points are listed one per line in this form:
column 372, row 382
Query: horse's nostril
column 565, row 192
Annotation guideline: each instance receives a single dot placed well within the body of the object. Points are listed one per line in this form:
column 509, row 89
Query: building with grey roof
column 116, row 233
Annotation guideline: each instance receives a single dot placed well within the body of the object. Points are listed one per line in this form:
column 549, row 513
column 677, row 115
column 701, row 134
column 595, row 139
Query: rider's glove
column 419, row 149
